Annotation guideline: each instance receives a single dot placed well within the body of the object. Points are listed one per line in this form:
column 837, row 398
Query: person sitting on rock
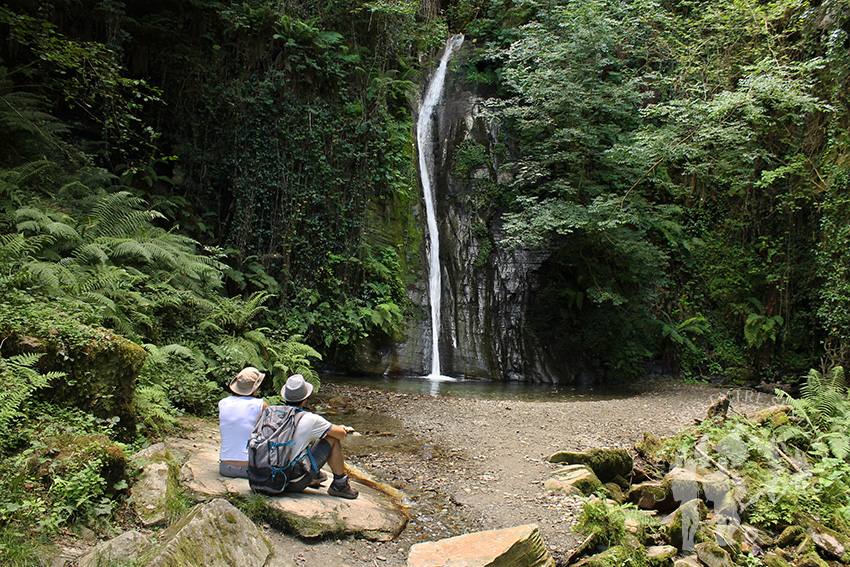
column 237, row 416
column 324, row 439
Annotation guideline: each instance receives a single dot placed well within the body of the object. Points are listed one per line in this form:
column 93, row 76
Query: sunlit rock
column 521, row 545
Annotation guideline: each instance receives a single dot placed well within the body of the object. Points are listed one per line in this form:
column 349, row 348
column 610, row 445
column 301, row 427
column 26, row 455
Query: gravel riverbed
column 471, row 464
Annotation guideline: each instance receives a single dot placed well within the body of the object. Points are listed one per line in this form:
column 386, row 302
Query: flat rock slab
column 520, row 546
column 374, row 515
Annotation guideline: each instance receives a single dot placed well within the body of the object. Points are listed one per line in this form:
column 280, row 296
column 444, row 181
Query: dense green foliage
column 686, row 165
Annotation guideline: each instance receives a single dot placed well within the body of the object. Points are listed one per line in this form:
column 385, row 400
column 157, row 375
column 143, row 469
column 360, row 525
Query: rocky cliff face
column 487, row 289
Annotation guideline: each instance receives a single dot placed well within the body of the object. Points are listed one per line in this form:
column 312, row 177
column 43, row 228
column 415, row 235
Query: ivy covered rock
column 99, row 465
column 607, row 464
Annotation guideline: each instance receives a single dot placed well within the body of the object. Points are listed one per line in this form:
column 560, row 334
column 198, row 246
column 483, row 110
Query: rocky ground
column 476, row 464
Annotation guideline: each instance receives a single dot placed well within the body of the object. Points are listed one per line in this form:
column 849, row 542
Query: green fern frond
column 154, row 408
column 120, row 214
column 130, row 250
column 90, row 254
column 50, row 275
column 838, row 443
column 28, row 172
column 18, row 371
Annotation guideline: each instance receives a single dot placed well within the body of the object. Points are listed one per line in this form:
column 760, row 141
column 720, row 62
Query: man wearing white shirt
column 323, row 438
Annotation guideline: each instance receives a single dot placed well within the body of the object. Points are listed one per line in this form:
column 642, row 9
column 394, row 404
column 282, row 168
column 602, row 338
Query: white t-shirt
column 311, row 428
column 237, row 416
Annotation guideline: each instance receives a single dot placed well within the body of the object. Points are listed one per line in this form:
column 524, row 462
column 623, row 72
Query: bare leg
column 336, row 460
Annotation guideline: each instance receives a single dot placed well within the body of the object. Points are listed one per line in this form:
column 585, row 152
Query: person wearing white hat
column 237, row 416
column 323, row 438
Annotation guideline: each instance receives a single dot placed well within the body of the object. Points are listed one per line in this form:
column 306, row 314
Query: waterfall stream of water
column 424, row 145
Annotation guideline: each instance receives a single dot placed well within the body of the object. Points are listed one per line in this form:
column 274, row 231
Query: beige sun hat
column 296, row 389
column 247, row 381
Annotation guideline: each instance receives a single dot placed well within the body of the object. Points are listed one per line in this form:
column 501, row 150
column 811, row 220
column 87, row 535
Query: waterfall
column 425, row 143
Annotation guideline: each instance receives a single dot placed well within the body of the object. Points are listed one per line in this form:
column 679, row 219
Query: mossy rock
column 614, row 556
column 774, row 560
column 712, row 555
column 660, row 555
column 100, row 367
column 790, row 536
column 573, row 479
column 810, row 559
column 614, row 492
column 607, row 464
column 696, row 512
column 648, row 447
column 831, row 543
column 64, row 455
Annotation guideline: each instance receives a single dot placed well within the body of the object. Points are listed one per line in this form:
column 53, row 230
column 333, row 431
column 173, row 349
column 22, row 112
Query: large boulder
column 377, row 514
column 100, row 367
column 607, row 464
column 213, row 534
column 122, row 549
column 149, row 495
column 521, row 545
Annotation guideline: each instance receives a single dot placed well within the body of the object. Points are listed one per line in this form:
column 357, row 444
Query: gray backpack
column 271, row 462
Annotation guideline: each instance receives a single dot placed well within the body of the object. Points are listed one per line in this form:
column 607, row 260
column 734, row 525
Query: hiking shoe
column 319, row 479
column 342, row 489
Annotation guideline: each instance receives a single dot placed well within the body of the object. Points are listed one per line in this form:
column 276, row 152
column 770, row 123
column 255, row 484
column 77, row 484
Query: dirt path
column 472, row 464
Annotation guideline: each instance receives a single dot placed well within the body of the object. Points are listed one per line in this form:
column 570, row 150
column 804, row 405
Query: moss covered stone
column 790, row 536
column 683, row 529
column 712, row 555
column 614, row 556
column 810, row 559
column 100, row 367
column 573, row 479
column 660, row 555
column 773, row 560
column 607, row 464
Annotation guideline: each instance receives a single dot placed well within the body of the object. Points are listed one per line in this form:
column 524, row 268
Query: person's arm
column 337, row 432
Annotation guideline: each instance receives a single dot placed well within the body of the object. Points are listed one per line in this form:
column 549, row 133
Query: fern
column 154, row 408
column 118, row 215
column 293, row 357
column 23, row 380
column 824, row 410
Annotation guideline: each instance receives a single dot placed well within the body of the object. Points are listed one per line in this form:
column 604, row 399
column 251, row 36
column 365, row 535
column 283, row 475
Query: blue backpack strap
column 312, row 460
